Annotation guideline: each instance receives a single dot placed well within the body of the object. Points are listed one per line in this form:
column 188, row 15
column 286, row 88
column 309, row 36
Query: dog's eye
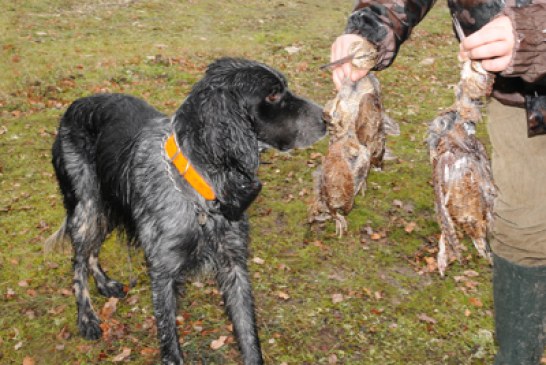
column 273, row 98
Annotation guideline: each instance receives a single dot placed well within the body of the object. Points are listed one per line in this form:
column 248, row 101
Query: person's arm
column 529, row 56
column 513, row 44
column 385, row 23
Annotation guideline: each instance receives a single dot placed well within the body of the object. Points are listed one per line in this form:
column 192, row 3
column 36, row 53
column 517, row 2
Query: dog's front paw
column 172, row 360
column 89, row 326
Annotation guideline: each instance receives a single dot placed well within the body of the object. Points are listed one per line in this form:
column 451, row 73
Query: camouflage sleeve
column 529, row 57
column 387, row 23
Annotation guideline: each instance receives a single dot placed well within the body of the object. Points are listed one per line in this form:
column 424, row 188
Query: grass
column 390, row 307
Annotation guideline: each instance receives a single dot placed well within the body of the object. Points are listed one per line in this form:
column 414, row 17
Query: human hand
column 340, row 49
column 493, row 44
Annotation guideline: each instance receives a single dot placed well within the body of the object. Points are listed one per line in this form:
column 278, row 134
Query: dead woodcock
column 356, row 126
column 463, row 185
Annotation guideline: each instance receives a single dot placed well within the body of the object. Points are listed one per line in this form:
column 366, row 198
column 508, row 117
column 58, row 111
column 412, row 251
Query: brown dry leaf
column 32, row 293
column 216, row 344
column 23, row 284
column 467, row 313
column 133, row 299
column 83, row 348
column 283, row 295
column 425, row 318
column 302, row 66
column 149, row 352
column 10, row 293
column 397, row 203
column 432, row 265
column 476, row 302
column 410, row 227
column 258, row 260
column 124, row 354
column 375, row 236
column 471, row 273
column 57, row 310
column 109, row 308
column 543, row 360
column 332, row 359
column 337, row 298
column 28, row 361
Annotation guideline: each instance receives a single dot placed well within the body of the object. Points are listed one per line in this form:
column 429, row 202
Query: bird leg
column 442, row 258
column 341, row 225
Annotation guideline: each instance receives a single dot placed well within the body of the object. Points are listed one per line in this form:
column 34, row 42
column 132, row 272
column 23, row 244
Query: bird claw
column 341, row 225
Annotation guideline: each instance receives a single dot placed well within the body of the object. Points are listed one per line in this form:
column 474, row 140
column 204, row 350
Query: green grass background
column 390, row 308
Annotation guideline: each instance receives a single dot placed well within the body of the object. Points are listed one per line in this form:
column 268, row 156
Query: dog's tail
column 56, row 241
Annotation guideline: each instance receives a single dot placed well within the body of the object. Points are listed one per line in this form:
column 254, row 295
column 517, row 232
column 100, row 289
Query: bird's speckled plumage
column 463, row 184
column 357, row 142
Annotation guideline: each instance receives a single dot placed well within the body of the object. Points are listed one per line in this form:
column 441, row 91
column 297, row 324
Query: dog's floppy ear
column 229, row 138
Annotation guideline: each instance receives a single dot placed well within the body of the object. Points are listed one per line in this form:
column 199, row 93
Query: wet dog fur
column 113, row 174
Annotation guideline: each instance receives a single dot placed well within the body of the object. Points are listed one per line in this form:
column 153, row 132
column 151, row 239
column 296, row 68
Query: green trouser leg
column 519, row 294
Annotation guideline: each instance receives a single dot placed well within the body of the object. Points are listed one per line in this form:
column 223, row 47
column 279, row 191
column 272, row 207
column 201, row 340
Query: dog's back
column 97, row 131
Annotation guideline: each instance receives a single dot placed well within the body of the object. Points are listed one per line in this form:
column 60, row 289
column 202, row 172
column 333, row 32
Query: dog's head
column 278, row 118
column 237, row 107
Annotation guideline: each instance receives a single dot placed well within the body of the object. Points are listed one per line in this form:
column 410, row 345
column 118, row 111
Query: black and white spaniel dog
column 178, row 187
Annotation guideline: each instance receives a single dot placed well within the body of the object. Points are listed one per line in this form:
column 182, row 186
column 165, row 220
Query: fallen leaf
column 149, row 352
column 302, row 66
column 258, row 260
column 283, row 295
column 10, row 293
column 216, row 344
column 375, row 236
column 332, row 359
column 292, row 49
column 397, row 203
column 467, row 313
column 32, row 293
column 124, row 354
column 109, row 308
column 18, row 345
column 471, row 273
column 431, row 264
column 476, row 302
column 427, row 61
column 57, row 310
column 23, row 284
column 425, row 318
column 28, row 361
column 337, row 298
column 83, row 348
column 410, row 227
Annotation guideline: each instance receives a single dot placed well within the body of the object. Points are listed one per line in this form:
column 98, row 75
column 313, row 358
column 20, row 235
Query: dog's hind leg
column 107, row 287
column 87, row 229
column 234, row 283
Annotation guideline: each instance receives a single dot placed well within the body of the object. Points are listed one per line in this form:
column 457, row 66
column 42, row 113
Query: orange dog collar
column 186, row 170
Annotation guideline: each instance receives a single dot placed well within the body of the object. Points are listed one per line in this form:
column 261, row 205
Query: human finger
column 499, row 29
column 357, row 74
column 336, row 79
column 497, row 64
column 490, row 50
